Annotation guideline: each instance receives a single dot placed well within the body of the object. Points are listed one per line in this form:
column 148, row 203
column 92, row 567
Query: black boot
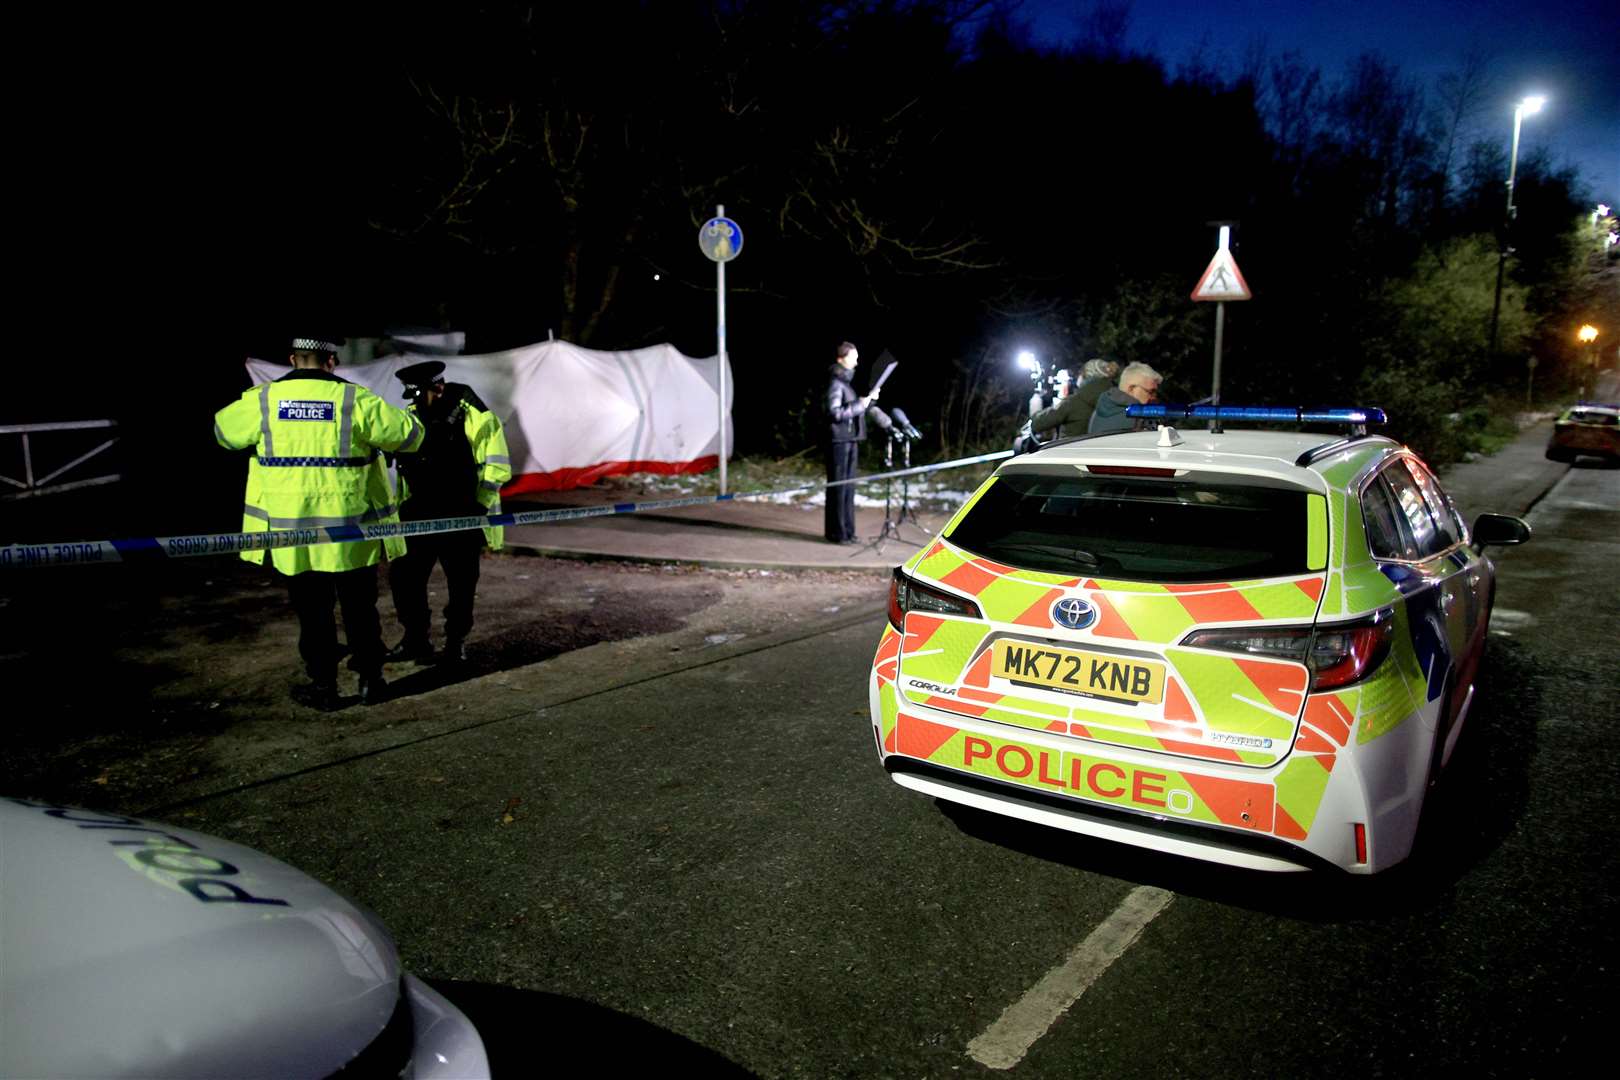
column 455, row 651
column 411, row 647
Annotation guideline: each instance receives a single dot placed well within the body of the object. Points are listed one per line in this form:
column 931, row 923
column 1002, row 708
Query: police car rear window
column 1139, row 529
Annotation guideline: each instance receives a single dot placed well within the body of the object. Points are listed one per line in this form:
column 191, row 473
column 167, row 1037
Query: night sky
column 1565, row 49
column 167, row 158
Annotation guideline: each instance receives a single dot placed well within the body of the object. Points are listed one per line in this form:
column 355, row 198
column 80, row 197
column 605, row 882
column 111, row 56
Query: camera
column 1051, row 383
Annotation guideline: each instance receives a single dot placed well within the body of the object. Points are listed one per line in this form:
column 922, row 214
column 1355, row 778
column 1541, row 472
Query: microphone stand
column 891, row 527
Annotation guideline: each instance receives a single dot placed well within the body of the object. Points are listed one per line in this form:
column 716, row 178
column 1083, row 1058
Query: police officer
column 458, row 472
column 317, row 440
column 846, row 427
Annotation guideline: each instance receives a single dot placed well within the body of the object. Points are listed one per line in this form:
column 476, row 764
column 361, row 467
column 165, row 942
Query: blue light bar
column 1267, row 413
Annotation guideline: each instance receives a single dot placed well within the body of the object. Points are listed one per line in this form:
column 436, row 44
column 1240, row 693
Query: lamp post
column 1528, row 107
column 1589, row 334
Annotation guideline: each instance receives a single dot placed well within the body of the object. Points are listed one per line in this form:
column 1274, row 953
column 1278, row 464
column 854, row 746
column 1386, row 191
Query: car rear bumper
column 1300, row 814
column 1157, row 833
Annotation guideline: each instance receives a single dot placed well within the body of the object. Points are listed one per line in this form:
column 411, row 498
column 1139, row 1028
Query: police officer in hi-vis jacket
column 457, row 472
column 317, row 442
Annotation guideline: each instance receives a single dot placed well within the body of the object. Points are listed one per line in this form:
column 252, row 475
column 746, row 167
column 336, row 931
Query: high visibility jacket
column 463, row 462
column 317, row 442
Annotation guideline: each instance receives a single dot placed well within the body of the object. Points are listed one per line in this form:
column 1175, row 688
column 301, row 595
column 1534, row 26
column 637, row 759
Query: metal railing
column 30, row 485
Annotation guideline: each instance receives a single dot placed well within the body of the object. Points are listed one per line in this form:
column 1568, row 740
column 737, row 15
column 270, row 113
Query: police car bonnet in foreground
column 136, row 949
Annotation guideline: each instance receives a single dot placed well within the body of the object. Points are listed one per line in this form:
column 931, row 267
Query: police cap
column 329, row 345
column 419, row 377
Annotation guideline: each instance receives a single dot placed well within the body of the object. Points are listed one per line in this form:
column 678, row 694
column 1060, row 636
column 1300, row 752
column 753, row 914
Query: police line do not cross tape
column 139, row 548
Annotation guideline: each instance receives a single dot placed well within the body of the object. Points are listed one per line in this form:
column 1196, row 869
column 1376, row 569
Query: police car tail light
column 1346, row 653
column 907, row 594
column 1336, row 655
column 1283, row 642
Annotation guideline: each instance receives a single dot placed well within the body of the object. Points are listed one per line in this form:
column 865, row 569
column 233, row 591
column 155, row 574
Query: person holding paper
column 846, row 428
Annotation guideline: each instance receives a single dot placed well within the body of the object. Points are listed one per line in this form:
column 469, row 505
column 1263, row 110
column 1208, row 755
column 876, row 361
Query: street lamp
column 1528, row 107
column 1589, row 335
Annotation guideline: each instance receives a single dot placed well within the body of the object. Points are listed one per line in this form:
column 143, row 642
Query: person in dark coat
column 1074, row 411
column 846, row 427
column 1138, row 385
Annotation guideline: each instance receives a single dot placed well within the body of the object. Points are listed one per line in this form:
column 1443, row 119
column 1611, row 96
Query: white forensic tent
column 573, row 415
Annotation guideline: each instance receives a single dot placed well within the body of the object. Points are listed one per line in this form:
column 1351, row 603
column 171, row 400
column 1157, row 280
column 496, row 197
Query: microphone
column 879, row 417
column 903, row 422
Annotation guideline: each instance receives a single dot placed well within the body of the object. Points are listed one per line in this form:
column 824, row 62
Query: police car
column 131, row 948
column 1254, row 647
column 1589, row 427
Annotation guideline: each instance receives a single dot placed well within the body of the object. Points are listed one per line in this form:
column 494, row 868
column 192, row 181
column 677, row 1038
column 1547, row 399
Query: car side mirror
column 1499, row 529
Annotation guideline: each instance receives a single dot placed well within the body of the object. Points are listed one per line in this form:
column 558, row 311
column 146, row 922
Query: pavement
column 1510, row 481
column 758, row 533
column 742, row 533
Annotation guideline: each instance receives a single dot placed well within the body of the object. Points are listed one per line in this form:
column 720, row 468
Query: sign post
column 1222, row 281
column 721, row 240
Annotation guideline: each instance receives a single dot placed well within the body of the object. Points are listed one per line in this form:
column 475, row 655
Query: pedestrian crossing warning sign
column 1222, row 280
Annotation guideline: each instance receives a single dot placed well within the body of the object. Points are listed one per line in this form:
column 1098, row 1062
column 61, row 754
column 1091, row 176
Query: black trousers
column 840, row 514
column 459, row 553
column 355, row 591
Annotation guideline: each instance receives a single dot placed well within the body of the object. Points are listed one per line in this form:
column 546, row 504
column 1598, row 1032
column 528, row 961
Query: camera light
column 1027, row 361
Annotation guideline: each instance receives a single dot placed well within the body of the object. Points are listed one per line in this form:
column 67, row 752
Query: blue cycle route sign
column 720, row 239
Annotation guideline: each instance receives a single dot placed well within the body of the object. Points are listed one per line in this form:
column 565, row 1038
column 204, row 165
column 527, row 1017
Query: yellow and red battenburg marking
column 1093, row 778
column 949, row 666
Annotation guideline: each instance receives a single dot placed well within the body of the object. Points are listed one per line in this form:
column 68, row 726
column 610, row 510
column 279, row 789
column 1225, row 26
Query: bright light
column 1532, row 105
column 657, row 277
column 1588, row 333
column 1027, row 361
column 1603, row 211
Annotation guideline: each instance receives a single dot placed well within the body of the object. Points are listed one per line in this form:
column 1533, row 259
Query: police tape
column 83, row 552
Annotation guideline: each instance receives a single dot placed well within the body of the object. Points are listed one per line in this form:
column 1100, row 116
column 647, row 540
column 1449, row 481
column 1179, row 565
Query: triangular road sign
column 1222, row 279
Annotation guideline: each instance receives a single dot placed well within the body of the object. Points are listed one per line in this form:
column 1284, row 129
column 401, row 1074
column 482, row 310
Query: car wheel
column 1558, row 453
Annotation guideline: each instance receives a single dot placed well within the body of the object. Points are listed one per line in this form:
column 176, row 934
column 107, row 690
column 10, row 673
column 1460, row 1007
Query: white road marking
column 1005, row 1042
column 1507, row 619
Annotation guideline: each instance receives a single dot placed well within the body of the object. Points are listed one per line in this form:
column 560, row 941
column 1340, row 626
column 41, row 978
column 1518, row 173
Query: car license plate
column 1117, row 678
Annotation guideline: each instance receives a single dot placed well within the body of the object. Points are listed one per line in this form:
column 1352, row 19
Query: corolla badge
column 1074, row 613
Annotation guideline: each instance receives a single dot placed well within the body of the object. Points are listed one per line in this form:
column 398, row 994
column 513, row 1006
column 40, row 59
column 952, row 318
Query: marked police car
column 1588, row 427
column 134, row 949
column 1252, row 647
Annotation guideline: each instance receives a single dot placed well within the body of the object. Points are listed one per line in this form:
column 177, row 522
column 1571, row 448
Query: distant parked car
column 1589, row 427
column 1256, row 648
column 129, row 948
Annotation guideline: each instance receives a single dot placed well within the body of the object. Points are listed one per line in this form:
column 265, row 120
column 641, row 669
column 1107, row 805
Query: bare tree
column 1290, row 100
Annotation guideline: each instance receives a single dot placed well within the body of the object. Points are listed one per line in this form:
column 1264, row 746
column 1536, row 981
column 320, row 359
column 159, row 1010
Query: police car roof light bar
column 1355, row 417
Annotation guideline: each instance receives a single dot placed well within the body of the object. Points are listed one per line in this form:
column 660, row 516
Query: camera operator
column 846, row 428
column 1074, row 411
